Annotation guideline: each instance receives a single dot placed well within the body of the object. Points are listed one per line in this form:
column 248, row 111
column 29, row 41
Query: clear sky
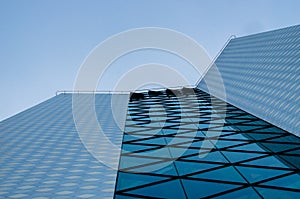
column 43, row 43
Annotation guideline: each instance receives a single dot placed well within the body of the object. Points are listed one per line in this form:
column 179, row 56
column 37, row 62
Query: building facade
column 183, row 143
column 261, row 75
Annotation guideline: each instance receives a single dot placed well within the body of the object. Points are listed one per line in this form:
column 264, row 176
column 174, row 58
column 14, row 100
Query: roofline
column 267, row 31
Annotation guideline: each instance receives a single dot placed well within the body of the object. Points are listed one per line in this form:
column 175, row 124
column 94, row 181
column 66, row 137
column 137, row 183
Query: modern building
column 180, row 143
column 261, row 75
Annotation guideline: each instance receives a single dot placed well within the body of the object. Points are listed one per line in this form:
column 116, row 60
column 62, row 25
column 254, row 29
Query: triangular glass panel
column 227, row 143
column 169, row 131
column 270, row 161
column 278, row 147
column 294, row 152
column 159, row 152
column 155, row 131
column 238, row 136
column 153, row 140
column 200, row 189
column 277, row 194
column 127, row 138
column 196, row 143
column 170, row 189
column 289, row 139
column 134, row 147
column 225, row 174
column 240, row 156
column 248, row 193
column 164, row 168
column 249, row 147
column 129, row 180
column 260, row 136
column 177, row 140
column 189, row 134
column 179, row 152
column 211, row 133
column 118, row 196
column 291, row 181
column 129, row 161
column 184, row 167
column 215, row 156
column 257, row 174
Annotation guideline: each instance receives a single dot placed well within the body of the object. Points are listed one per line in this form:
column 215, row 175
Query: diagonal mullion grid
column 171, row 124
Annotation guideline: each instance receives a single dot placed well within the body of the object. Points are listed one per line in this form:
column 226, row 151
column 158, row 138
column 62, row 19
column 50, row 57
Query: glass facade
column 190, row 145
column 181, row 143
column 261, row 75
column 164, row 155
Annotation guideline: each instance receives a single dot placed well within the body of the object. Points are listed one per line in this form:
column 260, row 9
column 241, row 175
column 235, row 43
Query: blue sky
column 43, row 43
